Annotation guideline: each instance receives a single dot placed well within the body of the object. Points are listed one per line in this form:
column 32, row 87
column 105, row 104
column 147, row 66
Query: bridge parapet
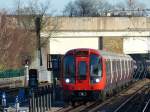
column 100, row 23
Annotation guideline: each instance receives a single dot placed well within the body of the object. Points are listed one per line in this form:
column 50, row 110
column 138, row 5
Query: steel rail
column 113, row 97
column 146, row 106
column 129, row 99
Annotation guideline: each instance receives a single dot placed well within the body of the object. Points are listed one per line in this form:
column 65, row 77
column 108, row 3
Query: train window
column 128, row 67
column 117, row 67
column 82, row 70
column 69, row 66
column 81, row 53
column 131, row 64
column 114, row 66
column 108, row 67
column 115, row 62
column 111, row 67
column 95, row 65
column 123, row 67
column 120, row 69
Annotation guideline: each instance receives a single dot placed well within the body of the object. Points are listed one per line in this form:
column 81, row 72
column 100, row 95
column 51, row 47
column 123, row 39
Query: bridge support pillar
column 100, row 43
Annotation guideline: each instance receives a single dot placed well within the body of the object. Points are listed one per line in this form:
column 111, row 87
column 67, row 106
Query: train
column 90, row 74
column 142, row 65
column 148, row 68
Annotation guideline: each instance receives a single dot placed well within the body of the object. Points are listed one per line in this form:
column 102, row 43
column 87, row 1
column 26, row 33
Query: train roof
column 111, row 55
column 105, row 54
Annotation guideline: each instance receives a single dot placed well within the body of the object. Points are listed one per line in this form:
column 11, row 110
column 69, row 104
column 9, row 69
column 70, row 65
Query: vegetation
column 15, row 42
column 18, row 39
column 92, row 8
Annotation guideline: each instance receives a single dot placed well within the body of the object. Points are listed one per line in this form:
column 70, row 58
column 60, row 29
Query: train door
column 82, row 71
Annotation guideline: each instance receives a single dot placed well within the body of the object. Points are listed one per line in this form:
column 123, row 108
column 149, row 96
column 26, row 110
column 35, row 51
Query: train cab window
column 95, row 65
column 69, row 66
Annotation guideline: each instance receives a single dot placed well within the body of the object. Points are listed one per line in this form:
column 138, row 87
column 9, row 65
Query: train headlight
column 97, row 80
column 67, row 80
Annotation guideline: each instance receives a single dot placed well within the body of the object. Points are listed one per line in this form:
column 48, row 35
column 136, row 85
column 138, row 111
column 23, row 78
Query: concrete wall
column 76, row 25
column 113, row 44
column 99, row 23
column 135, row 45
column 62, row 45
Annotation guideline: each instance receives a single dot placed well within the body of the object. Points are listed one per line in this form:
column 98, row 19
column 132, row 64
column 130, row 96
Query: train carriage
column 90, row 74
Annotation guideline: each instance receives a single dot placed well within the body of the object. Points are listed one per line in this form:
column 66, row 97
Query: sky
column 57, row 5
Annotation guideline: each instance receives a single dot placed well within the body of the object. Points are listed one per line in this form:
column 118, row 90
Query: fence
column 12, row 73
column 10, row 98
column 40, row 99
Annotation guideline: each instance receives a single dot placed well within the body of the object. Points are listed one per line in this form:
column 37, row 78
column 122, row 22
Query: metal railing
column 12, row 73
column 40, row 99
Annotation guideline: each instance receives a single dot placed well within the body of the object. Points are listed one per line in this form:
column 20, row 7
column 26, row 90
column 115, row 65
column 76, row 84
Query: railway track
column 147, row 103
column 136, row 102
column 111, row 104
column 78, row 107
column 147, row 107
column 101, row 106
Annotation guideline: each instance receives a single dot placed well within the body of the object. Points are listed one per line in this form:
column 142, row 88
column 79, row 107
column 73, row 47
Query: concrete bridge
column 127, row 35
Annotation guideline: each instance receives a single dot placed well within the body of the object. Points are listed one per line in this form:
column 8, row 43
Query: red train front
column 84, row 74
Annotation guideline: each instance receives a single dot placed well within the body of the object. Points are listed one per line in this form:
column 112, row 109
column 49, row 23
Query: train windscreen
column 95, row 65
column 95, row 69
column 69, row 66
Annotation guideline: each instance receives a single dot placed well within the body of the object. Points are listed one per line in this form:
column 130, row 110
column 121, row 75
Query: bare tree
column 33, row 16
column 70, row 10
column 119, row 6
column 86, row 8
column 130, row 8
column 13, row 42
column 28, row 12
column 18, row 35
column 27, row 15
column 132, row 4
column 103, row 7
